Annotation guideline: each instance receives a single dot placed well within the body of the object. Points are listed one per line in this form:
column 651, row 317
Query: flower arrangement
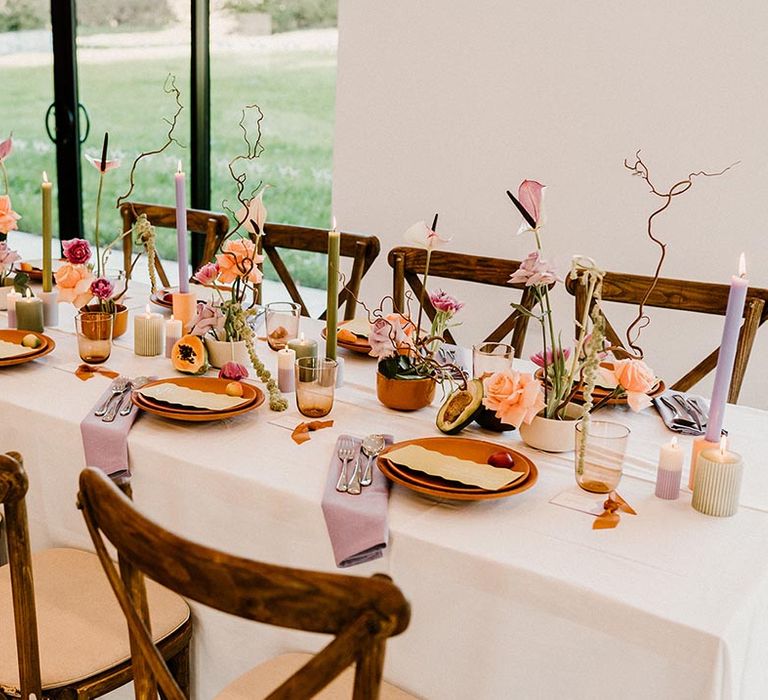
column 396, row 341
column 8, row 258
column 515, row 397
column 566, row 370
column 75, row 276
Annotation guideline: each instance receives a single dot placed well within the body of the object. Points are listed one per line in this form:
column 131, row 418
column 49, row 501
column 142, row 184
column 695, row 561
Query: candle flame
column 742, row 265
column 45, row 176
column 179, row 168
column 301, row 338
column 149, row 311
column 333, row 222
column 28, row 293
column 723, row 445
column 172, row 318
column 674, row 442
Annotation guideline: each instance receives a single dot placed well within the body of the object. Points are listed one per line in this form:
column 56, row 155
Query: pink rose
column 8, row 217
column 208, row 318
column 534, row 271
column 637, row 379
column 102, row 288
column 389, row 336
column 7, row 258
column 444, row 302
column 515, row 397
column 77, row 251
column 207, row 274
column 234, row 371
column 74, row 283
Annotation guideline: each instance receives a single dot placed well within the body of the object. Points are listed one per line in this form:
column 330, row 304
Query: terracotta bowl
column 405, row 394
column 120, row 324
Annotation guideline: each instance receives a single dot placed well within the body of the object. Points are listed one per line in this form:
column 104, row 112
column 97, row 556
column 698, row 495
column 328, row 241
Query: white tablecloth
column 515, row 597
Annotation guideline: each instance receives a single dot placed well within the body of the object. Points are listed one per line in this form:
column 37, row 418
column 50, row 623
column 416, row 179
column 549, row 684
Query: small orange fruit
column 234, row 389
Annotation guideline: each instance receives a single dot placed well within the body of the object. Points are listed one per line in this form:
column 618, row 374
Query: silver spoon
column 118, row 387
column 136, row 384
column 372, row 446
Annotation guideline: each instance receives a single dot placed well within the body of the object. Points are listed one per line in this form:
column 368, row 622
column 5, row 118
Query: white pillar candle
column 11, row 300
column 286, row 359
column 148, row 334
column 29, row 313
column 339, row 372
column 303, row 347
column 718, row 482
column 173, row 331
column 50, row 308
column 670, row 470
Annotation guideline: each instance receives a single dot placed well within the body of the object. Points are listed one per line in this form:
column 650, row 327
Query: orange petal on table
column 85, row 372
column 301, row 433
column 623, row 505
column 609, row 517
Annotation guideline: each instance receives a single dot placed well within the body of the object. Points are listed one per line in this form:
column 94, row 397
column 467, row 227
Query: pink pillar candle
column 11, row 300
column 173, row 331
column 286, row 359
column 670, row 470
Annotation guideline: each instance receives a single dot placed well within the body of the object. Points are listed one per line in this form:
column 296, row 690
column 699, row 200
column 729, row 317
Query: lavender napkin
column 357, row 525
column 671, row 418
column 106, row 444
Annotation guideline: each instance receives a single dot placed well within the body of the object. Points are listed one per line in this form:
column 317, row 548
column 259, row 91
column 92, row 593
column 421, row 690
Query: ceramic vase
column 223, row 351
column 550, row 434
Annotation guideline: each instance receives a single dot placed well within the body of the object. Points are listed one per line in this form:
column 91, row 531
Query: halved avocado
column 459, row 409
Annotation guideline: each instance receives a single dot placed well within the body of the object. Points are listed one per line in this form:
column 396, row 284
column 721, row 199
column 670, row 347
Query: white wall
column 442, row 105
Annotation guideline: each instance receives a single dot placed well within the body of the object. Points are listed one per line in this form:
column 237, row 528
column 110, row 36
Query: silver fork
column 346, row 452
column 118, row 387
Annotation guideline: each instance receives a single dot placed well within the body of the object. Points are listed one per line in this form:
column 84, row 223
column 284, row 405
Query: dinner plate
column 464, row 448
column 254, row 398
column 360, row 345
column 14, row 336
column 33, row 268
column 163, row 297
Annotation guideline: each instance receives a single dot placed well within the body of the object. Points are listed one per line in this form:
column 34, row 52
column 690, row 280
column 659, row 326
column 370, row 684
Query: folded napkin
column 106, row 444
column 669, row 416
column 357, row 525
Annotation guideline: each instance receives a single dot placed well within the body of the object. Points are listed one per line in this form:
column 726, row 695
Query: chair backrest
column 362, row 249
column 682, row 295
column 212, row 225
column 361, row 613
column 13, row 489
column 408, row 267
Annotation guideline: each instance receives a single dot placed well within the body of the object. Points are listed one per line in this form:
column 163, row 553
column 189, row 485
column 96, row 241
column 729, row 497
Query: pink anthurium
column 531, row 195
column 108, row 164
column 421, row 235
column 6, row 147
column 255, row 215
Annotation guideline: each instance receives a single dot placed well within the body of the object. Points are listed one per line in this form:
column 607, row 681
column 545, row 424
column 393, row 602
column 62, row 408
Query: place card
column 191, row 398
column 576, row 499
column 464, row 471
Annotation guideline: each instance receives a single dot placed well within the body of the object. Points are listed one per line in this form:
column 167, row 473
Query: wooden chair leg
column 161, row 272
column 398, row 283
column 127, row 243
column 352, row 288
column 747, row 338
column 179, row 668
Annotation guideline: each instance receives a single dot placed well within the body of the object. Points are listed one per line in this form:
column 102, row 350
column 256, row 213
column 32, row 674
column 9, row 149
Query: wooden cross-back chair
column 408, row 268
column 362, row 249
column 682, row 295
column 61, row 632
column 361, row 613
column 212, row 225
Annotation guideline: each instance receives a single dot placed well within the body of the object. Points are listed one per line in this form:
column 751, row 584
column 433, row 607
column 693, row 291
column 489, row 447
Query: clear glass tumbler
column 282, row 323
column 489, row 358
column 600, row 449
column 94, row 336
column 315, row 385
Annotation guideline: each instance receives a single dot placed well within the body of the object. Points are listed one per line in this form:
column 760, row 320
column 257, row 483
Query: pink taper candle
column 727, row 355
column 181, row 231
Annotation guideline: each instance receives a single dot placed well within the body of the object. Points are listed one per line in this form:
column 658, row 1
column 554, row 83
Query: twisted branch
column 640, row 169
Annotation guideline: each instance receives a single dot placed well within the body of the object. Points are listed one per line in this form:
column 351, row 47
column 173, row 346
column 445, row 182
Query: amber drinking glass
column 315, row 385
column 94, row 336
column 600, row 449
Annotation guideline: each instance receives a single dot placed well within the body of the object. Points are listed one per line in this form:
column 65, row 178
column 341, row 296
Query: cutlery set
column 683, row 414
column 119, row 401
column 361, row 476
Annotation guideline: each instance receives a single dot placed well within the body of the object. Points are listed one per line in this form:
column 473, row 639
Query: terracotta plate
column 35, row 272
column 360, row 345
column 465, row 448
column 13, row 336
column 254, row 396
column 163, row 297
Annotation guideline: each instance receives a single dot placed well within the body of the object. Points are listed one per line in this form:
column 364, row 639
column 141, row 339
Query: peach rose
column 238, row 258
column 637, row 379
column 8, row 217
column 515, row 397
column 74, row 283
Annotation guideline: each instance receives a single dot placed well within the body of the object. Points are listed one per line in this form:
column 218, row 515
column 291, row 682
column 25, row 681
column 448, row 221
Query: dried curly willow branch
column 170, row 89
column 639, row 168
column 253, row 149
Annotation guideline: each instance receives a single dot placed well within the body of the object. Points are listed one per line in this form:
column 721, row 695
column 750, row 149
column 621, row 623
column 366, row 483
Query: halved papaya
column 189, row 355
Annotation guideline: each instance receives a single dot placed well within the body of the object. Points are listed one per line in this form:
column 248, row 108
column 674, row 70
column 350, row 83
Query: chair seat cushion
column 262, row 680
column 81, row 628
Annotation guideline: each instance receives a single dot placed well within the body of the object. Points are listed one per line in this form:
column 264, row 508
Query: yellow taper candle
column 47, row 189
column 332, row 313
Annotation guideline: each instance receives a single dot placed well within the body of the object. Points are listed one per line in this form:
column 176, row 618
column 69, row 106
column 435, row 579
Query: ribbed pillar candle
column 718, row 482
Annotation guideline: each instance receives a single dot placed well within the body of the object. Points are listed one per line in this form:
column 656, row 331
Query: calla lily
column 108, row 164
column 530, row 202
column 421, row 235
column 6, row 147
column 255, row 215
